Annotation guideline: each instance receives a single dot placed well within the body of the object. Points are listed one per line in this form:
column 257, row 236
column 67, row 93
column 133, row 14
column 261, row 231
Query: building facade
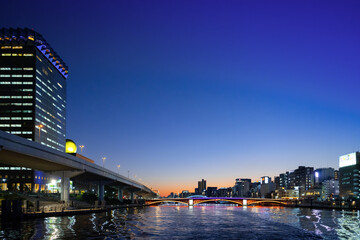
column 349, row 176
column 201, row 187
column 32, row 90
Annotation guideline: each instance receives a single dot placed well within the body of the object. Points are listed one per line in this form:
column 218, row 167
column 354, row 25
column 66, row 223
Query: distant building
column 202, row 187
column 322, row 174
column 266, row 187
column 330, row 189
column 242, row 187
column 283, row 193
column 302, row 177
column 224, row 192
column 185, row 194
column 211, row 192
column 349, row 176
column 336, row 175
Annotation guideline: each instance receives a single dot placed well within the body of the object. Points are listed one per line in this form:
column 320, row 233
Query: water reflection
column 182, row 222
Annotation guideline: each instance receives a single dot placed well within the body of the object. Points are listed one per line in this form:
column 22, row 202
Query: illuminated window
column 6, row 47
column 27, row 104
column 16, row 83
column 16, row 96
column 27, row 96
column 4, row 75
column 27, row 118
column 28, row 54
column 6, row 54
column 15, row 125
column 27, row 82
column 4, row 125
column 15, row 132
column 28, row 75
column 16, row 76
column 16, row 118
column 17, row 69
column 27, row 90
column 17, row 47
column 4, row 118
column 4, row 96
column 28, row 69
column 5, row 83
column 5, row 68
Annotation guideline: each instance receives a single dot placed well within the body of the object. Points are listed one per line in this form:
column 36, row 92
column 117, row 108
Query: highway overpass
column 18, row 151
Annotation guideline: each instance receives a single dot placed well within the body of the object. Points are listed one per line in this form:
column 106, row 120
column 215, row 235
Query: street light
column 118, row 166
column 81, row 147
column 40, row 126
column 103, row 158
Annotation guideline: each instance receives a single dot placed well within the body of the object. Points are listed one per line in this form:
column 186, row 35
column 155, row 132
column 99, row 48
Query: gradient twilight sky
column 177, row 91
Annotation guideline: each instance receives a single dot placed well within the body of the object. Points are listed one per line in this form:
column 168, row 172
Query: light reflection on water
column 198, row 222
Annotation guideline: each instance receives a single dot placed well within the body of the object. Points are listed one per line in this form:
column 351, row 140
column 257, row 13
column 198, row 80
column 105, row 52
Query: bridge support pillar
column 65, row 187
column 101, row 191
column 132, row 197
column 191, row 203
column 244, row 203
column 120, row 194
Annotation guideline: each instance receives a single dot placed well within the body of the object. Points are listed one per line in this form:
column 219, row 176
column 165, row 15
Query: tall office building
column 33, row 88
column 350, row 176
column 32, row 100
column 201, row 186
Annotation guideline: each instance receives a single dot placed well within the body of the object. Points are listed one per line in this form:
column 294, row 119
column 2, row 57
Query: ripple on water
column 201, row 222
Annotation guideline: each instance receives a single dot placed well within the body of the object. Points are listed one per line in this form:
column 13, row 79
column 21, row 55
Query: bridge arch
column 163, row 201
column 258, row 202
column 222, row 200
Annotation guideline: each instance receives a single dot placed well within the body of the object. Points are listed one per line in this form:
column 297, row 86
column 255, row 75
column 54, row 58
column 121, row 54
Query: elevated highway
column 17, row 151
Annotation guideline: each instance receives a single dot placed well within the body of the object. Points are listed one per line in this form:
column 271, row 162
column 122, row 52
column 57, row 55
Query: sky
column 179, row 91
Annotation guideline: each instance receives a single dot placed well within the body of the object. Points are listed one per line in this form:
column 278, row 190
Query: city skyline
column 177, row 92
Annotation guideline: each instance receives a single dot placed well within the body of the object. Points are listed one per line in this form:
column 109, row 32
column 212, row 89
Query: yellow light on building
column 70, row 146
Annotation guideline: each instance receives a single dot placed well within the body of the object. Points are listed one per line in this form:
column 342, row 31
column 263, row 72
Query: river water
column 199, row 222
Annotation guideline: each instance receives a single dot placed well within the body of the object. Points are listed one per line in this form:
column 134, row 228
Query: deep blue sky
column 176, row 91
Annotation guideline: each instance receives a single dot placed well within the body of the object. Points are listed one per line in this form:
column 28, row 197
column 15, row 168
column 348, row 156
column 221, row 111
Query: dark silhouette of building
column 242, row 187
column 201, row 186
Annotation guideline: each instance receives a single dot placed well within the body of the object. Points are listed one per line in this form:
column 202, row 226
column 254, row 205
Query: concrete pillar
column 120, row 194
column 132, row 197
column 101, row 192
column 65, row 187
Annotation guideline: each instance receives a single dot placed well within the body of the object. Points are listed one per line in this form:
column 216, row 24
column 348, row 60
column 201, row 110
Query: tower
column 32, row 88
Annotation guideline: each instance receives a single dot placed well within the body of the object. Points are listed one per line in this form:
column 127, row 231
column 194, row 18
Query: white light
column 53, row 182
column 347, row 160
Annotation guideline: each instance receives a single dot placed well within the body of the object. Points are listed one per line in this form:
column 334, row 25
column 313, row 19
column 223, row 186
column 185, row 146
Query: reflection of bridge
column 239, row 201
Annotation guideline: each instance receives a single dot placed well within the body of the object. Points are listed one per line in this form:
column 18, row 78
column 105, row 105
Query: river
column 199, row 222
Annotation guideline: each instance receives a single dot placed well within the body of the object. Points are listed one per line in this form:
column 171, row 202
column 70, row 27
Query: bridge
column 240, row 201
column 18, row 151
